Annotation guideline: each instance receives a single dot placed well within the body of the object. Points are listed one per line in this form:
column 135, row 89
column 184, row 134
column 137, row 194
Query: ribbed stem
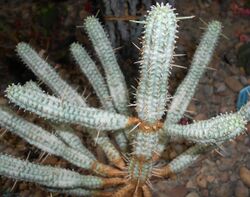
column 157, row 53
column 115, row 79
column 201, row 59
column 55, row 109
column 48, row 75
column 215, row 130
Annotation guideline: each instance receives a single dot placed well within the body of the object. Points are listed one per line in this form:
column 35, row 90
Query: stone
column 210, row 178
column 192, row 194
column 248, row 81
column 208, row 90
column 224, row 177
column 179, row 148
column 50, row 160
column 191, row 108
column 234, row 70
column 164, row 189
column 233, row 84
column 23, row 186
column 2, row 146
column 224, row 109
column 204, row 193
column 240, row 138
column 166, row 153
column 221, row 73
column 179, row 191
column 225, row 164
column 209, row 163
column 245, row 176
column 234, row 177
column 190, row 184
column 241, row 147
column 200, row 116
column 38, row 194
column 220, row 87
column 173, row 154
column 241, row 190
column 204, row 169
column 201, row 181
column 243, row 80
column 3, row 101
column 25, row 193
column 215, row 100
column 224, row 190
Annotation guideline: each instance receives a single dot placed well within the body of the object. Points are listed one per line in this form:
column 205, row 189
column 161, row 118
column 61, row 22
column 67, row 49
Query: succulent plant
column 140, row 139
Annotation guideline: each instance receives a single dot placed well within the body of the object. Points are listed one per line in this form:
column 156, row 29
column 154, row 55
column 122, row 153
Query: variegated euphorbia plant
column 141, row 139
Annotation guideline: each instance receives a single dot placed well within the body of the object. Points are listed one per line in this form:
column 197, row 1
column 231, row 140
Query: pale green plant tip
column 157, row 54
column 47, row 74
column 63, row 111
column 201, row 59
column 74, row 141
column 100, row 87
column 45, row 175
column 217, row 130
column 91, row 71
column 114, row 77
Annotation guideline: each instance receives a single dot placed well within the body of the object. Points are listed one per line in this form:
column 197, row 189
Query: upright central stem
column 145, row 143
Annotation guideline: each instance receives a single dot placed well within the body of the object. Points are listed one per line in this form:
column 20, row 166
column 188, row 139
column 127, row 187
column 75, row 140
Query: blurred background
column 51, row 26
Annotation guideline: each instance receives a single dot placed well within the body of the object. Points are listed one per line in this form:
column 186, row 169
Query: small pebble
column 210, row 178
column 205, row 193
column 179, row 148
column 50, row 160
column 190, row 185
column 234, row 70
column 220, row 87
column 224, row 190
column 200, row 116
column 245, row 176
column 224, row 177
column 208, row 90
column 201, row 181
column 243, row 80
column 173, row 154
column 233, row 84
column 3, row 101
column 192, row 194
column 225, row 164
column 241, row 190
column 38, row 194
column 192, row 109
